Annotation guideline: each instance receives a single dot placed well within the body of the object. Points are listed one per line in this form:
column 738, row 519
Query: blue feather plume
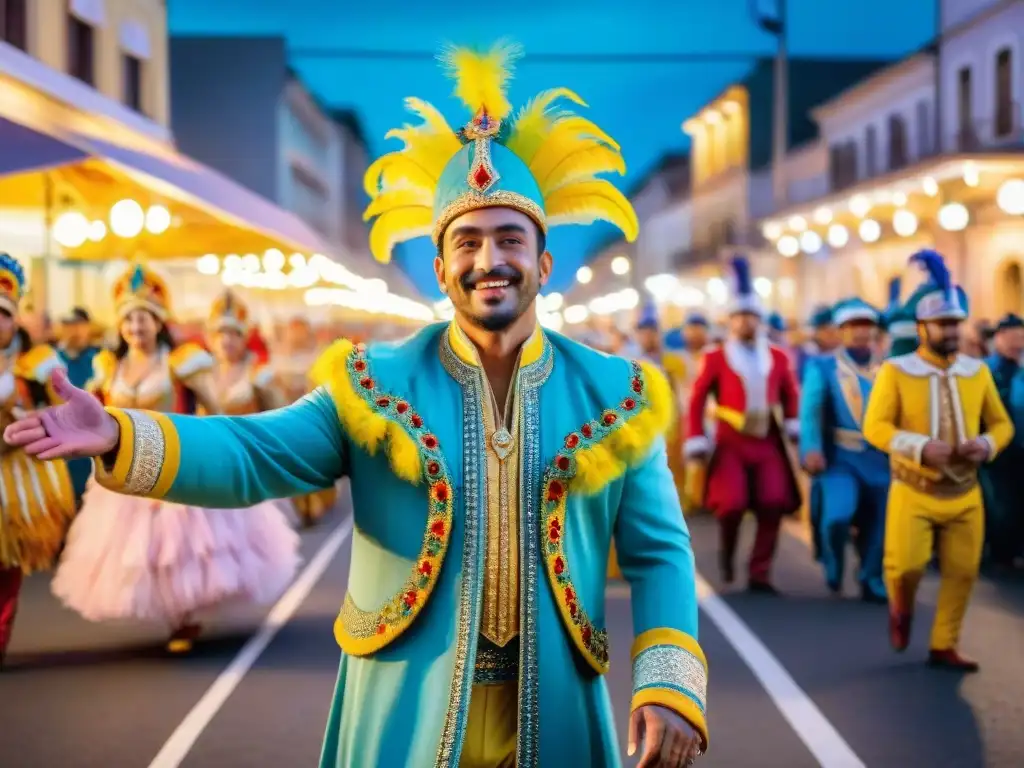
column 895, row 288
column 935, row 266
column 741, row 269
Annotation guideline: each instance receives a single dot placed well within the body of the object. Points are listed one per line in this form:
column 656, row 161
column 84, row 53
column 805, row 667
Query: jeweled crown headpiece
column 229, row 312
column 12, row 283
column 139, row 288
column 545, row 162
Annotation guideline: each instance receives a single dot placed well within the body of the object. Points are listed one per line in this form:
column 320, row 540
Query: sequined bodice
column 238, row 397
column 153, row 392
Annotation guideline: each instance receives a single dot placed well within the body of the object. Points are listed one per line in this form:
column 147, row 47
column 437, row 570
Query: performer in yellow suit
column 926, row 411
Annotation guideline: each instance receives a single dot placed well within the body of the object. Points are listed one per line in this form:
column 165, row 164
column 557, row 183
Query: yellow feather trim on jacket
column 595, row 455
column 104, row 368
column 604, row 461
column 355, row 397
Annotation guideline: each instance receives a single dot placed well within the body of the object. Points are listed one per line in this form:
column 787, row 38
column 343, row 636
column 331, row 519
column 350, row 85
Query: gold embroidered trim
column 472, row 201
column 149, row 449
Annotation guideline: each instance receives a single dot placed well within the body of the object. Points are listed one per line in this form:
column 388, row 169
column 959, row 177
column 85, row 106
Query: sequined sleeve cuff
column 909, row 445
column 669, row 669
column 147, row 457
column 993, row 449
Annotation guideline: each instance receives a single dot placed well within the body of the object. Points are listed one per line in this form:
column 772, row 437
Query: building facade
column 733, row 180
column 928, row 152
column 238, row 107
column 92, row 68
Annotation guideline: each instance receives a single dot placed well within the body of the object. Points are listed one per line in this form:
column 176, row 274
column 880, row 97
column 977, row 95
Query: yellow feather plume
column 584, row 164
column 566, row 136
column 397, row 226
column 481, row 78
column 396, row 199
column 534, row 121
column 428, row 148
column 589, row 201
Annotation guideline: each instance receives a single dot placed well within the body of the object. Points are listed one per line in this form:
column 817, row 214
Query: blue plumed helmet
column 12, row 284
column 821, row 317
column 939, row 298
column 697, row 318
column 855, row 310
column 776, row 323
column 744, row 297
column 648, row 316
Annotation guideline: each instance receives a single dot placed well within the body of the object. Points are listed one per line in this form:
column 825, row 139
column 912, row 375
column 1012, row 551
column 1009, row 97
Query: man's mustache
column 470, row 280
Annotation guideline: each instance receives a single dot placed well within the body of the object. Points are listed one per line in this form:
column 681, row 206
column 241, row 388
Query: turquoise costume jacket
column 834, row 396
column 404, row 421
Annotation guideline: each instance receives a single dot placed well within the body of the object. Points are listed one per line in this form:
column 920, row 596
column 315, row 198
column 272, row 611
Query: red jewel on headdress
column 482, row 177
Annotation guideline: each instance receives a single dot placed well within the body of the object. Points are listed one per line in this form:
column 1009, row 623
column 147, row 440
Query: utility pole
column 778, row 27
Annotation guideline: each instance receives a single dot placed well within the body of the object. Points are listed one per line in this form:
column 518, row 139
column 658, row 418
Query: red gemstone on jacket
column 609, row 419
column 587, row 431
column 359, row 365
column 416, row 421
column 628, row 404
column 410, row 598
column 559, row 566
column 572, row 441
column 430, row 442
column 562, row 462
column 555, row 490
column 366, row 383
column 437, row 528
column 441, row 491
column 383, row 402
column 433, row 467
column 402, row 406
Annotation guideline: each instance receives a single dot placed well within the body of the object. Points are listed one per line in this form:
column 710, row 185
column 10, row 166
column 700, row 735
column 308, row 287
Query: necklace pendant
column 501, row 443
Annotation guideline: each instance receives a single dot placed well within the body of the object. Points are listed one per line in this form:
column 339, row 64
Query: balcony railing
column 740, row 240
column 1003, row 132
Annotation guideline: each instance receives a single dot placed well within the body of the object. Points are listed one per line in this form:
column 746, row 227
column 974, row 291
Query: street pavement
column 797, row 681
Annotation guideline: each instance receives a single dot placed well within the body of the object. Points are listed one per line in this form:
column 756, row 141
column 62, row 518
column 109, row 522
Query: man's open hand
column 668, row 740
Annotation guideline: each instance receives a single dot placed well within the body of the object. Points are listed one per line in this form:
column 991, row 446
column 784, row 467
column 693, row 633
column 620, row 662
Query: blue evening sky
column 641, row 104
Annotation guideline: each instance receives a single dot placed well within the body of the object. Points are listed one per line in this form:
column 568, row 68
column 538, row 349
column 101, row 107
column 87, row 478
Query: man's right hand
column 814, row 463
column 936, row 453
column 78, row 427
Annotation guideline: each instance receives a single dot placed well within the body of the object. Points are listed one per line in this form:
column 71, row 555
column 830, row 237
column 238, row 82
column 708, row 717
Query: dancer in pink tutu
column 128, row 557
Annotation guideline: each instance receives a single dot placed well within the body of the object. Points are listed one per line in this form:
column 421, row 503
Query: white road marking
column 191, row 728
column 814, row 730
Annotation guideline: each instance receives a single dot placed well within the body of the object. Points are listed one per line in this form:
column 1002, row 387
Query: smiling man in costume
column 938, row 415
column 491, row 464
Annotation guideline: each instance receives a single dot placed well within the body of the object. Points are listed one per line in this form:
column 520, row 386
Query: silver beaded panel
column 149, row 450
column 672, row 667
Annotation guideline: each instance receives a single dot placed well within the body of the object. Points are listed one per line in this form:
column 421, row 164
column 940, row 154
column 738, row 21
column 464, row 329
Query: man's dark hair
column 542, row 241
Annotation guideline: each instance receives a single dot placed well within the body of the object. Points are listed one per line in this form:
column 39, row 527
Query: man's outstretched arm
column 225, row 461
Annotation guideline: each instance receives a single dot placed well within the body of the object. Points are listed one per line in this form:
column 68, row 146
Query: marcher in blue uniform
column 824, row 339
column 851, row 477
column 77, row 351
column 1001, row 480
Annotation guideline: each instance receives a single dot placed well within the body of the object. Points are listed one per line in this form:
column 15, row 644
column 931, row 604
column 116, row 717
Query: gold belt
column 944, row 488
column 849, row 439
column 496, row 664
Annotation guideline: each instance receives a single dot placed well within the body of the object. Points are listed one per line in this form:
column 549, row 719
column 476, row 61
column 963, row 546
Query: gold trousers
column 492, row 727
column 916, row 524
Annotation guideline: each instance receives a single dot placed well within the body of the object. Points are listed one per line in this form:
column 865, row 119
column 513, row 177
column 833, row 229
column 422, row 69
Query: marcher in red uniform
column 749, row 466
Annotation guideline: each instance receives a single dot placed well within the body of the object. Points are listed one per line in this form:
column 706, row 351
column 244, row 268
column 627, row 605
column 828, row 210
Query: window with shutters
column 965, row 111
column 132, row 68
column 81, row 49
column 14, row 23
column 1004, row 93
column 925, row 130
column 898, row 155
column 871, row 151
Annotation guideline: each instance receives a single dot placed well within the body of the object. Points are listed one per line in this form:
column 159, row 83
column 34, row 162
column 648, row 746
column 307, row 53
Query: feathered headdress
column 939, row 298
column 544, row 162
column 139, row 288
column 744, row 298
column 12, row 284
column 229, row 312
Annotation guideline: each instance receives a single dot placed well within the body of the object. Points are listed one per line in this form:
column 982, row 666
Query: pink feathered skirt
column 133, row 558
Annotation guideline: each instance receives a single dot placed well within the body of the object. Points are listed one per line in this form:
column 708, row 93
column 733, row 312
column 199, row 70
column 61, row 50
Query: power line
column 543, row 58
